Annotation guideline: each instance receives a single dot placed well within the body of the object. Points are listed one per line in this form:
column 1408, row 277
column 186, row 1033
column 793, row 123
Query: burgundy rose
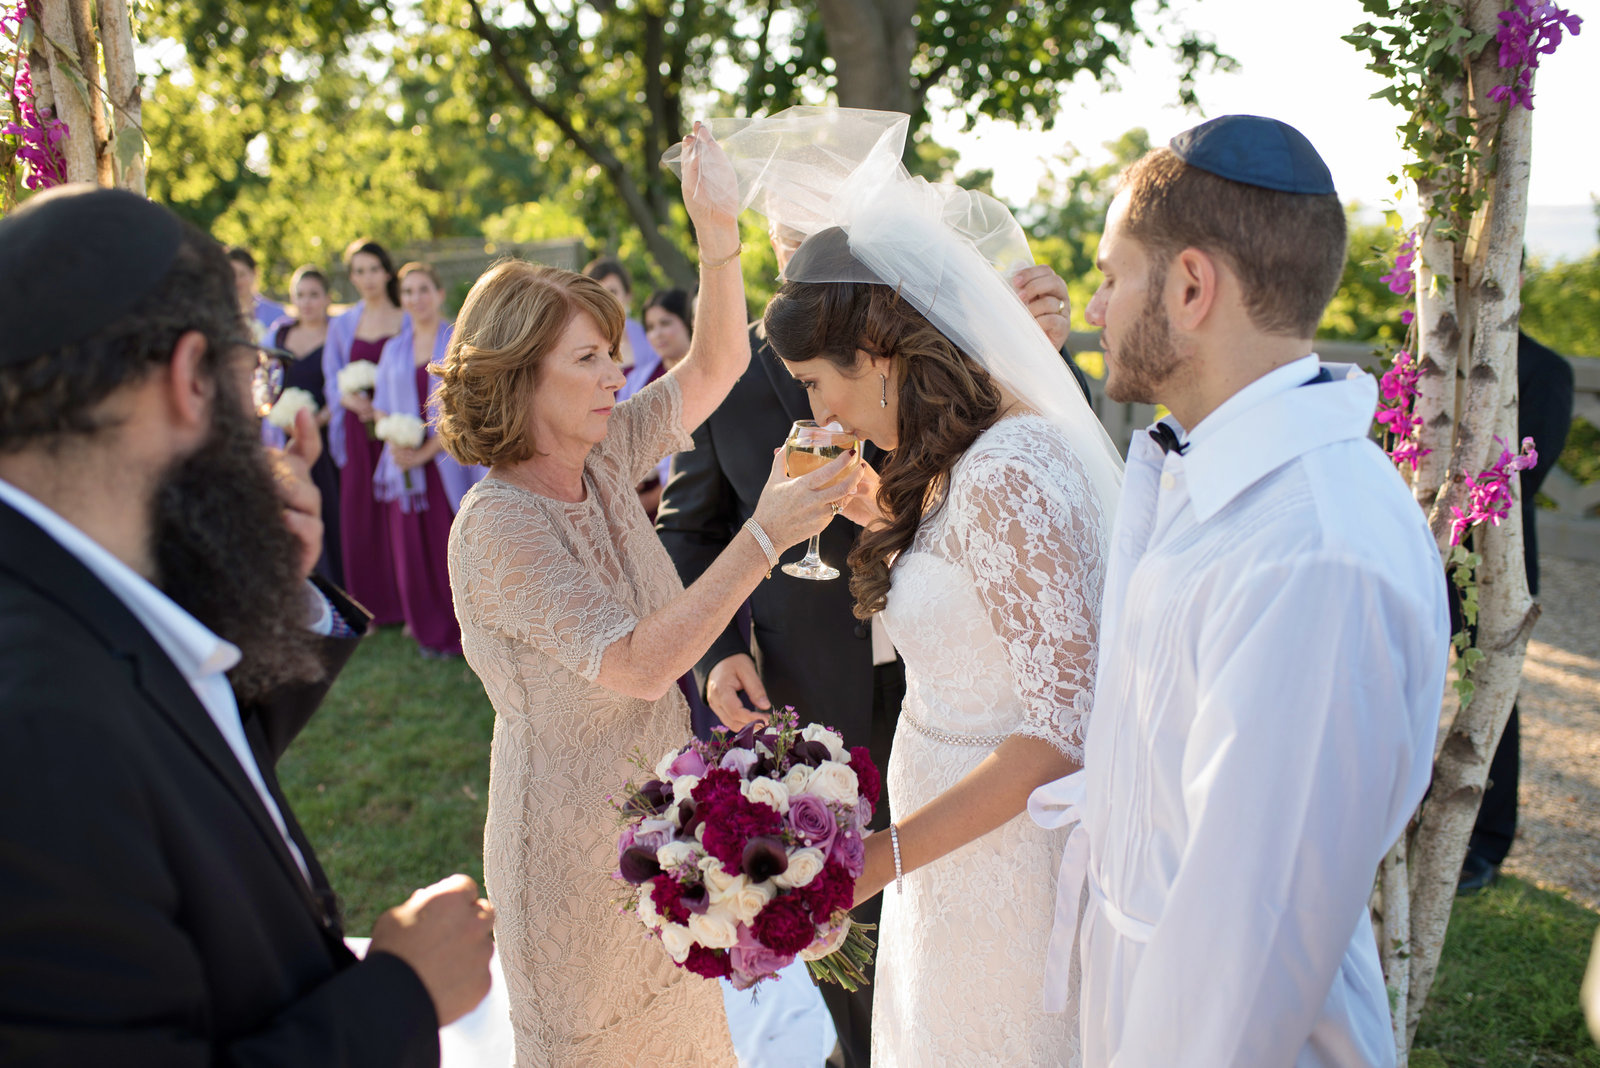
column 812, row 819
column 716, row 785
column 707, row 963
column 667, row 893
column 829, row 892
column 868, row 778
column 850, row 850
column 753, row 961
column 783, row 926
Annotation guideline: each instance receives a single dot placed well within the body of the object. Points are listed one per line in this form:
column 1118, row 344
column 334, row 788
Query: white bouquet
column 360, row 376
column 402, row 429
column 288, row 406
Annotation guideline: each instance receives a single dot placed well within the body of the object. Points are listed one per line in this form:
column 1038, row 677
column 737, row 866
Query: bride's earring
column 883, row 402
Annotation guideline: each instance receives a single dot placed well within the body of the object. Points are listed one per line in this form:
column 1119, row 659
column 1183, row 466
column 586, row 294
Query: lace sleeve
column 518, row 579
column 646, row 428
column 1030, row 527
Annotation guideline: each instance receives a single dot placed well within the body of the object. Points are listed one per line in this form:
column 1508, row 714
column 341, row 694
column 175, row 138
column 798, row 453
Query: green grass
column 391, row 779
column 1507, row 992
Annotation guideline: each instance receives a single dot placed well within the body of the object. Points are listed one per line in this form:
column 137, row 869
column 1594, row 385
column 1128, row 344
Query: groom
column 1274, row 638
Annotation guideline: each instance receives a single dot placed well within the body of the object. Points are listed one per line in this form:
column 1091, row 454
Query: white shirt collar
column 1269, row 423
column 193, row 648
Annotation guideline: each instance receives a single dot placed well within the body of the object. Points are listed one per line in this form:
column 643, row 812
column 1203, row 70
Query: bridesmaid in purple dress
column 421, row 487
column 303, row 336
column 359, row 334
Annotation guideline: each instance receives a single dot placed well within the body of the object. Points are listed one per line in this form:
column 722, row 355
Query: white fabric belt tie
column 1053, row 806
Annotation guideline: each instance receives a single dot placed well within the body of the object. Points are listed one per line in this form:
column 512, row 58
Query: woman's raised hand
column 710, row 190
column 792, row 509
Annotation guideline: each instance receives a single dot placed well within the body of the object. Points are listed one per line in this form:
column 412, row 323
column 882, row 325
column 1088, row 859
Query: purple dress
column 363, row 519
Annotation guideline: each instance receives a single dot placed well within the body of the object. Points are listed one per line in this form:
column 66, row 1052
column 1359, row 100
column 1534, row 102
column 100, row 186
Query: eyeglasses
column 266, row 383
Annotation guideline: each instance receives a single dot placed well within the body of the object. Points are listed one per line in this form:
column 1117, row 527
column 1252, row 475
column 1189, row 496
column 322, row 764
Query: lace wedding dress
column 994, row 608
column 542, row 587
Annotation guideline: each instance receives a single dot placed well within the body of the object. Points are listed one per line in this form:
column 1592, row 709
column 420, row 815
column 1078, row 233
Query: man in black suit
column 159, row 647
column 805, row 647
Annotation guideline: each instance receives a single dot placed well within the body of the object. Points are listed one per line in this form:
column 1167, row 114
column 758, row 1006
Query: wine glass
column 809, row 447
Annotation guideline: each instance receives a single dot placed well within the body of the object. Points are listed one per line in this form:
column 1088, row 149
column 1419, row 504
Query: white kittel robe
column 1272, row 657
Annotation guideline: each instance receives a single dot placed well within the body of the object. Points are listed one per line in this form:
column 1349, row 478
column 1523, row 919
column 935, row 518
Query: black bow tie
column 1167, row 438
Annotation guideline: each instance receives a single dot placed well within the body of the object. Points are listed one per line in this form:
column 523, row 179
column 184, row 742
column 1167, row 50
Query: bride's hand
column 861, row 507
column 710, row 193
column 878, row 871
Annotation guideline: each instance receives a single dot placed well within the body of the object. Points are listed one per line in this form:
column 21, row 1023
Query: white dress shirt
column 199, row 655
column 1272, row 657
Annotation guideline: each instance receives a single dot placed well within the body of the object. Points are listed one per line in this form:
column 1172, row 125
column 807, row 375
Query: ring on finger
column 1061, row 307
column 835, row 507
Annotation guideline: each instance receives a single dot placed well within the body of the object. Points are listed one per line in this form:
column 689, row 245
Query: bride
column 984, row 549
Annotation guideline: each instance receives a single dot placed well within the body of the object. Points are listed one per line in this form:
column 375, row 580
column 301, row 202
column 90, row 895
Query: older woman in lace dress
column 573, row 617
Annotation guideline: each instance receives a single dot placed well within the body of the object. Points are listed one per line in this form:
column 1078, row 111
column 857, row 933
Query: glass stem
column 813, row 552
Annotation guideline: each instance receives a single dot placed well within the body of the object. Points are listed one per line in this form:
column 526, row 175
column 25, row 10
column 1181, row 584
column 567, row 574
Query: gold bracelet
column 712, row 265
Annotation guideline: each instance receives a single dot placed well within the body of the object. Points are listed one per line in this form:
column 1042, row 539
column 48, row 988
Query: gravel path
column 1558, row 829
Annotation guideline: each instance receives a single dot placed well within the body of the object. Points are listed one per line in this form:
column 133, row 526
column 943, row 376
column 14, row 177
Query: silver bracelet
column 894, row 840
column 765, row 542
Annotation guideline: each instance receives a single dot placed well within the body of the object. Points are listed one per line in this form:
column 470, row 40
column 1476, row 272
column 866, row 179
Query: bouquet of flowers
column 361, row 376
column 288, row 405
column 743, row 852
column 404, row 430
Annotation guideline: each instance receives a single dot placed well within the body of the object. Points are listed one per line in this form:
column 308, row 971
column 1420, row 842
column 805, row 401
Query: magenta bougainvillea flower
column 1402, row 278
column 1399, row 389
column 38, row 135
column 1529, row 29
column 1489, row 492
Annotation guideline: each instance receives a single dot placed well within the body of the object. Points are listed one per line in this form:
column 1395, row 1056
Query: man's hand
column 1045, row 295
column 735, row 675
column 302, row 502
column 445, row 932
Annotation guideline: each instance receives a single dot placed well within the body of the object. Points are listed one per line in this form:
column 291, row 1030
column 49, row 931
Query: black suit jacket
column 150, row 913
column 1544, row 413
column 811, row 651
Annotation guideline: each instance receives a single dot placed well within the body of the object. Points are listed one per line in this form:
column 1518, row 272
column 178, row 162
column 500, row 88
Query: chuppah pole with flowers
column 1463, row 72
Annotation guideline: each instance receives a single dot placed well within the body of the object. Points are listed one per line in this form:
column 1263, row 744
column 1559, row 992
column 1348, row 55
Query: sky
column 1294, row 67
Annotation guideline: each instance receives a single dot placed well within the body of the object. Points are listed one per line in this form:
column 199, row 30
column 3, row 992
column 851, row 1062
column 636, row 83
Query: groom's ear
column 1192, row 288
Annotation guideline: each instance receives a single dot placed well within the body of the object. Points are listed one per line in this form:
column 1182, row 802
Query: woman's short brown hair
column 1287, row 249
column 513, row 317
column 418, row 267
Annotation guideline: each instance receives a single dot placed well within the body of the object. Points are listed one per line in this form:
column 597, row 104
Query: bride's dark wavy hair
column 945, row 401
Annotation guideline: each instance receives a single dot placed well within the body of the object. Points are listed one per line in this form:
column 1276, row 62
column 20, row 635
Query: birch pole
column 83, row 35
column 69, row 88
column 122, row 83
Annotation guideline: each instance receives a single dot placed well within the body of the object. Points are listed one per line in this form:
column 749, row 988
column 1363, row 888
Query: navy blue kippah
column 73, row 261
column 1255, row 151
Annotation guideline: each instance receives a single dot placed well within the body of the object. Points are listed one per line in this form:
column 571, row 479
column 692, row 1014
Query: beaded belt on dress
column 988, row 741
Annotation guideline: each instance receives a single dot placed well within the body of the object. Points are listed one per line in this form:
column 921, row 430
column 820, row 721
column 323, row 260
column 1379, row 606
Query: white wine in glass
column 809, row 447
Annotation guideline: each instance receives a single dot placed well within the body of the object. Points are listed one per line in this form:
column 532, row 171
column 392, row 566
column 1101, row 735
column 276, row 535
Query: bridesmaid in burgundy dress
column 359, row 334
column 422, row 487
column 303, row 336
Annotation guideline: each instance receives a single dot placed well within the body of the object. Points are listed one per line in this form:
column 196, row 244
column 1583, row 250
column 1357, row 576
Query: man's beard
column 1147, row 357
column 224, row 555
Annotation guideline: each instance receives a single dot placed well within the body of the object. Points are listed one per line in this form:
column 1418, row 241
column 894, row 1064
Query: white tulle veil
column 951, row 251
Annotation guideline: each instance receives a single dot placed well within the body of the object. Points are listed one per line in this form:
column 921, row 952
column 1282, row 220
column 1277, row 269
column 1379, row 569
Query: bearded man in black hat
column 160, row 646
column 1273, row 644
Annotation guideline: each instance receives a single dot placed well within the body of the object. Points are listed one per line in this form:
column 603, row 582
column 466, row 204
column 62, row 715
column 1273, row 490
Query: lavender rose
column 812, row 819
column 850, row 850
column 753, row 961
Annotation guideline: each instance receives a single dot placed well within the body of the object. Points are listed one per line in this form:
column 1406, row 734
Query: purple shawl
column 645, row 360
column 397, row 392
column 335, row 355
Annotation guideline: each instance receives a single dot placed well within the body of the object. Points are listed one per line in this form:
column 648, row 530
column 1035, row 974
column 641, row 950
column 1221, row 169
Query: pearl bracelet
column 894, row 840
column 765, row 542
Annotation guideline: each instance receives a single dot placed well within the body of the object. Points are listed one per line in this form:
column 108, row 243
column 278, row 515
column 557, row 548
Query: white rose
column 765, row 791
column 682, row 787
column 647, row 910
column 835, row 783
column 720, row 885
column 804, row 865
column 292, row 400
column 816, row 732
column 357, row 377
column 678, row 940
column 714, row 929
column 679, row 855
column 795, row 782
column 828, row 942
column 750, row 899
